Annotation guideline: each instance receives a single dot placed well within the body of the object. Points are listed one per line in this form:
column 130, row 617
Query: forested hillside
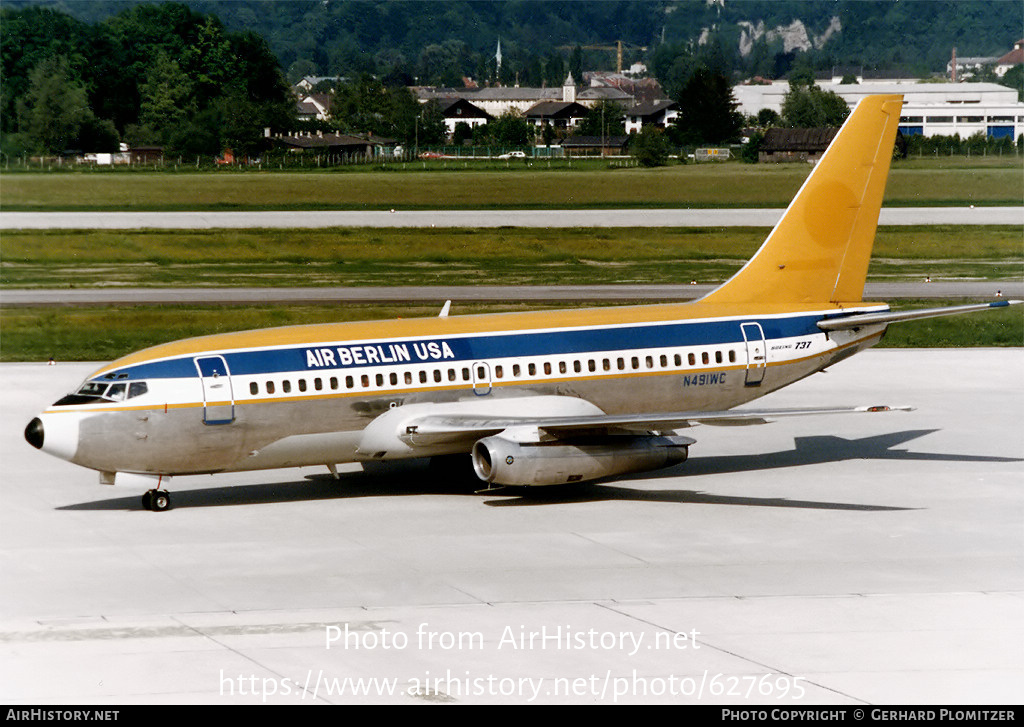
column 152, row 74
column 199, row 76
column 441, row 41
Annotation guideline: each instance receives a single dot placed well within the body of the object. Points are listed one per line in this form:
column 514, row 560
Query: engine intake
column 500, row 460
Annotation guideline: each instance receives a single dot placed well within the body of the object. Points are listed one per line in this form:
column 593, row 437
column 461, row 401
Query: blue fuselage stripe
column 472, row 347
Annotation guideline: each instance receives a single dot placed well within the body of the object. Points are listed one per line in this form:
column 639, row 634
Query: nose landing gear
column 157, row 500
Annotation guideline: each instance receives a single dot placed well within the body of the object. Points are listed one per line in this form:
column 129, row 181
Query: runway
column 977, row 290
column 480, row 218
column 834, row 560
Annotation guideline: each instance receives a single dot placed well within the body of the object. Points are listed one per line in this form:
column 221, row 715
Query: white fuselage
column 311, row 403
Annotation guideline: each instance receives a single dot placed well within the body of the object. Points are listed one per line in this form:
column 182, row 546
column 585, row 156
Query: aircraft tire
column 160, row 501
column 147, row 500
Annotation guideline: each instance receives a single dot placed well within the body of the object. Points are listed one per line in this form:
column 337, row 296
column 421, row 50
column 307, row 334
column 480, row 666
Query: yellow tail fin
column 819, row 251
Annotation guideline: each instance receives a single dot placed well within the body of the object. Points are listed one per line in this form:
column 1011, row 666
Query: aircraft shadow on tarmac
column 415, row 478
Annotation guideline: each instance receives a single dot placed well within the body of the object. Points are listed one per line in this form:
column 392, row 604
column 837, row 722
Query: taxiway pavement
column 977, row 290
column 837, row 560
column 481, row 218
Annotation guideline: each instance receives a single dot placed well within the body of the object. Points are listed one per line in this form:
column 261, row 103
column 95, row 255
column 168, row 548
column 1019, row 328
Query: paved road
column 481, row 293
column 483, row 218
column 877, row 558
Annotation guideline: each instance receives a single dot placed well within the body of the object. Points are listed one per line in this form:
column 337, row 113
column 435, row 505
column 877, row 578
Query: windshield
column 96, row 392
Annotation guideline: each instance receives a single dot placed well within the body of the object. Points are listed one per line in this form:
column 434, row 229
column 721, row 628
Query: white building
column 931, row 109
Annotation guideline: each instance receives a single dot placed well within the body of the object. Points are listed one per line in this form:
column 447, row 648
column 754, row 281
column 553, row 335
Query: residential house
column 658, row 113
column 458, row 110
column 556, row 114
column 1011, row 59
column 314, row 107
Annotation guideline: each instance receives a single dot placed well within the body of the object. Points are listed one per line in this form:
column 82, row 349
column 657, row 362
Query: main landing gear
column 157, row 500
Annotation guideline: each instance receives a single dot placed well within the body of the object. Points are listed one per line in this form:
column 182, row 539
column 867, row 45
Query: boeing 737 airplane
column 535, row 398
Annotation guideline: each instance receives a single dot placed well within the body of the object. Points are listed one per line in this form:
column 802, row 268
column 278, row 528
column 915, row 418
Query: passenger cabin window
column 270, row 387
column 254, row 388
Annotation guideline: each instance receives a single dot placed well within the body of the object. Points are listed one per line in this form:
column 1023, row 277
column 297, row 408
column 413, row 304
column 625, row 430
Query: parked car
column 514, row 155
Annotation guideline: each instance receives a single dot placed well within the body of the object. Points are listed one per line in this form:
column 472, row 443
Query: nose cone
column 34, row 433
column 61, row 434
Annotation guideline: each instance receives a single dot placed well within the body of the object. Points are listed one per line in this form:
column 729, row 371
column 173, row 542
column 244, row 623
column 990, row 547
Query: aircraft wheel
column 161, row 500
column 147, row 500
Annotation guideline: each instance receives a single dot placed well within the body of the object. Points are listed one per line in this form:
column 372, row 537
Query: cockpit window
column 137, row 388
column 94, row 392
column 93, row 388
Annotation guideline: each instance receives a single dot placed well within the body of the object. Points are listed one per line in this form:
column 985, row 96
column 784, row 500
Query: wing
column 549, row 440
column 430, row 429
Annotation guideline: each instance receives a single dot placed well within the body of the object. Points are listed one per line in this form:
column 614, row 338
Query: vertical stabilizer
column 819, row 251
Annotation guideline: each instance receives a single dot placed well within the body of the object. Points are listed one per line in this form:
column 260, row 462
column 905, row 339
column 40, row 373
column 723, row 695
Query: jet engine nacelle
column 501, row 460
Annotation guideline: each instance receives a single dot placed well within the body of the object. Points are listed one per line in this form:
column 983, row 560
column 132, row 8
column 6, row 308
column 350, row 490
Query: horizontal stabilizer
column 842, row 323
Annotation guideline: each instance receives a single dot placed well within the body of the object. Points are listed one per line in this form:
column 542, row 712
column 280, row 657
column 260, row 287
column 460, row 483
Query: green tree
column 749, row 153
column 510, row 129
column 462, row 133
column 53, row 111
column 650, row 147
column 1014, row 78
column 166, row 103
column 707, row 110
column 768, row 117
column 28, row 37
column 810, row 107
column 576, row 64
column 605, row 119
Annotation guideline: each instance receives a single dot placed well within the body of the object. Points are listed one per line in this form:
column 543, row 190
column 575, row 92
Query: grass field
column 356, row 257
column 218, row 258
column 925, row 182
column 105, row 333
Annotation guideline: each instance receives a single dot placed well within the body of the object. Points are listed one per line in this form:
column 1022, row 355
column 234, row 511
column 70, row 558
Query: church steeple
column 569, row 89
